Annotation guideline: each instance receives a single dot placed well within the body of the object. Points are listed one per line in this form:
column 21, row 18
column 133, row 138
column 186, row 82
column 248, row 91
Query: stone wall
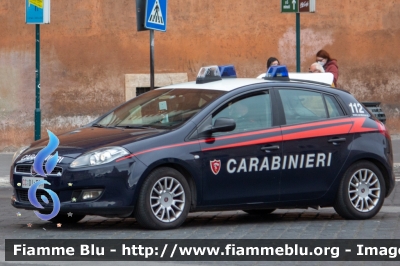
column 90, row 45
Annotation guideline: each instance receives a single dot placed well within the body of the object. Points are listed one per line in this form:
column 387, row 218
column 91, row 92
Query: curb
column 5, row 182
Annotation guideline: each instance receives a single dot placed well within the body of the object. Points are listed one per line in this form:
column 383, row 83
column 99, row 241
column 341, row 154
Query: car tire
column 361, row 192
column 164, row 200
column 260, row 212
column 63, row 218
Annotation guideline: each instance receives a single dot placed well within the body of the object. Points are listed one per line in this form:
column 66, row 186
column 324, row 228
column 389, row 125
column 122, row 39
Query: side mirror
column 222, row 124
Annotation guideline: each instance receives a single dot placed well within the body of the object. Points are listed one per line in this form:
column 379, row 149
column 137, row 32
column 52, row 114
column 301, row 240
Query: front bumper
column 80, row 208
column 116, row 180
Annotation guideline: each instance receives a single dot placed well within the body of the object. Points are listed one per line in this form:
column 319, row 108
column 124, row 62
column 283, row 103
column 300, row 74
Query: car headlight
column 18, row 153
column 99, row 156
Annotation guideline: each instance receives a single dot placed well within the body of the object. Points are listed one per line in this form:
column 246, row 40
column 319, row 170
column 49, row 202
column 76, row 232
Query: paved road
column 396, row 154
column 282, row 224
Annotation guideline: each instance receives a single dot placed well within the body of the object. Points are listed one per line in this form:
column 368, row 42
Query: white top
column 226, row 84
column 326, row 78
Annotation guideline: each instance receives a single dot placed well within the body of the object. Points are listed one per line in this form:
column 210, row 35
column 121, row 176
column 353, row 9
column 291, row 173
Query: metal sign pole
column 37, row 110
column 155, row 19
column 37, row 12
column 297, row 6
column 298, row 42
column 151, row 59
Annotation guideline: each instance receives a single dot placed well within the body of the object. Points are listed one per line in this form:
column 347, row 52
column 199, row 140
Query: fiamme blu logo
column 39, row 166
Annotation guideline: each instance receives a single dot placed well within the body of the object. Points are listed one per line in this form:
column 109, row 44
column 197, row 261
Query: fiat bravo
column 218, row 143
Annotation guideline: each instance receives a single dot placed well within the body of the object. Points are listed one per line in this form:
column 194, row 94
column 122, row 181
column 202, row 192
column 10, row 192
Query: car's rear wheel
column 164, row 200
column 361, row 192
column 261, row 212
column 67, row 218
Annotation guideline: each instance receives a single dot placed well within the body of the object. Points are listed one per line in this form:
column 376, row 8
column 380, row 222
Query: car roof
column 226, row 84
column 326, row 78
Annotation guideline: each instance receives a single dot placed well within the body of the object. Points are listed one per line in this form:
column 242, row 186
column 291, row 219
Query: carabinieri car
column 219, row 144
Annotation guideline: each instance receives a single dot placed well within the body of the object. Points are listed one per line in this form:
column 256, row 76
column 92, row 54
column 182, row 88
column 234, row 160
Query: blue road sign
column 156, row 15
column 37, row 11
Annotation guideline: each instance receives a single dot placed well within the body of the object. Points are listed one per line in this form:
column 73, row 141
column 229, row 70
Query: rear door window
column 302, row 106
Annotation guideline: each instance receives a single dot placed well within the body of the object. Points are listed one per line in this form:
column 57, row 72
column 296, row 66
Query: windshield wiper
column 101, row 126
column 137, row 127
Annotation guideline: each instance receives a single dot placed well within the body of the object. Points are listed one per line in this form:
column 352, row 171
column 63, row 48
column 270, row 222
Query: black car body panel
column 284, row 165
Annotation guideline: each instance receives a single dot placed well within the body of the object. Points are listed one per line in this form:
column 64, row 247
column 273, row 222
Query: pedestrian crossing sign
column 156, row 15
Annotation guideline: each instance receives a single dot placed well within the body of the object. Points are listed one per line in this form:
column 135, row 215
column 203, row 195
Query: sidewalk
column 5, row 164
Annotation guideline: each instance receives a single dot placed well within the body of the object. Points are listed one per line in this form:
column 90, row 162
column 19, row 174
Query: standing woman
column 272, row 61
column 329, row 64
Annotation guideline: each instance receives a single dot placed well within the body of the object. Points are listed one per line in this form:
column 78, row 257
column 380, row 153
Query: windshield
column 165, row 108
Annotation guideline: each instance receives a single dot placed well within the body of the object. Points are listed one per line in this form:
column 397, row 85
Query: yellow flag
column 37, row 3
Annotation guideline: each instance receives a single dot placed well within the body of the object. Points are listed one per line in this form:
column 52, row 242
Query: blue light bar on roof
column 277, row 73
column 227, row 71
column 208, row 74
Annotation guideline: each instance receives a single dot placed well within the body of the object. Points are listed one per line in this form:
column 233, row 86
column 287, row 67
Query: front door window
column 240, row 165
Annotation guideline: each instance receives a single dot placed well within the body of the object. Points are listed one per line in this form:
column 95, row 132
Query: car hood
column 77, row 142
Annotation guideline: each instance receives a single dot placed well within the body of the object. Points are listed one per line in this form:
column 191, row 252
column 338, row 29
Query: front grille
column 23, row 196
column 26, row 169
column 23, row 168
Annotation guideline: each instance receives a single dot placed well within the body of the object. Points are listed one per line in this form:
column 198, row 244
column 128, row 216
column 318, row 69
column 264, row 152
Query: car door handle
column 334, row 140
column 270, row 148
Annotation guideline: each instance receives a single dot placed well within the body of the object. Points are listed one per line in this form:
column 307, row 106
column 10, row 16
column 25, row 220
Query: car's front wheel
column 164, row 200
column 361, row 192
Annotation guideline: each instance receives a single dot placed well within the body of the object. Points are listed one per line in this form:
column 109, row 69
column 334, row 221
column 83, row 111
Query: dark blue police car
column 219, row 144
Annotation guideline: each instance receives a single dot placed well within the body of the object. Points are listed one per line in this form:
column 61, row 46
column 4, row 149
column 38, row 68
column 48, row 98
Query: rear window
column 333, row 106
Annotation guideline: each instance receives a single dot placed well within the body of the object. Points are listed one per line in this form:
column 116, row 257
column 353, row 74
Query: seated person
column 244, row 120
